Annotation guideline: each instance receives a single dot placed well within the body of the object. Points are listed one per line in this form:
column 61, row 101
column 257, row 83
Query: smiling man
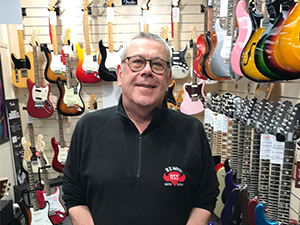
column 139, row 162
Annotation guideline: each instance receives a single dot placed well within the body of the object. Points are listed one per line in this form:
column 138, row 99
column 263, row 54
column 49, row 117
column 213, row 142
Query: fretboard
column 86, row 33
column 21, row 44
column 36, row 66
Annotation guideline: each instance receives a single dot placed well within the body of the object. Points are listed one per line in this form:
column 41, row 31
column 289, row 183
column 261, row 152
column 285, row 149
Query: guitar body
column 170, row 97
column 87, row 67
column 204, row 57
column 57, row 211
column 236, row 215
column 54, row 67
column 260, row 217
column 289, row 39
column 109, row 62
column 244, row 202
column 219, row 64
column 213, row 42
column 245, row 29
column 41, row 216
column 38, row 104
column 227, row 210
column 191, row 103
column 180, row 67
column 271, row 53
column 251, row 209
column 60, row 155
column 201, row 46
column 69, row 101
column 22, row 70
column 219, row 204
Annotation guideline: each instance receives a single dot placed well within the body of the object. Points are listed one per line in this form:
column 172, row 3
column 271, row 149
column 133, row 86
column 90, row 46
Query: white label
column 215, row 120
column 20, row 27
column 67, row 49
column 145, row 16
column 175, row 13
column 52, row 17
column 219, row 122
column 277, row 153
column 207, row 116
column 29, row 118
column 110, row 14
column 225, row 124
column 223, row 8
column 266, row 143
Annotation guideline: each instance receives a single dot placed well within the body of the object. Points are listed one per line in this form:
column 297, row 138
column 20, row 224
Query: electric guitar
column 36, row 216
column 69, row 102
column 38, row 105
column 54, row 67
column 180, row 67
column 145, row 8
column 22, row 67
column 109, row 57
column 244, row 26
column 191, row 103
column 57, row 211
column 170, row 97
column 260, row 217
column 92, row 103
column 88, row 62
column 33, row 160
column 60, row 149
column 220, row 170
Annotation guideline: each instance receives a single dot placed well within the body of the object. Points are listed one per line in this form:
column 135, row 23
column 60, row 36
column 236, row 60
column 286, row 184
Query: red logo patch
column 174, row 177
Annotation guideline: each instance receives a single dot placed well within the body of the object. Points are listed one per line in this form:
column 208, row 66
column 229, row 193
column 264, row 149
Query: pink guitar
column 193, row 91
column 38, row 104
column 57, row 211
column 245, row 29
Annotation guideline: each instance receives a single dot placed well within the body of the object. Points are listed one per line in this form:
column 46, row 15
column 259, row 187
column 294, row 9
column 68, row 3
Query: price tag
column 175, row 15
column 266, row 144
column 207, row 116
column 110, row 14
column 215, row 120
column 52, row 17
column 219, row 122
column 145, row 16
column 29, row 118
column 20, row 27
column 67, row 49
column 225, row 124
column 277, row 153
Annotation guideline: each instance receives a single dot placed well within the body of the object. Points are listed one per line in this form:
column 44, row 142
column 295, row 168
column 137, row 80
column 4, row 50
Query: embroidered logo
column 173, row 175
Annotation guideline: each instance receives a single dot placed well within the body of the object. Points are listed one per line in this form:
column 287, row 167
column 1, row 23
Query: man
column 139, row 162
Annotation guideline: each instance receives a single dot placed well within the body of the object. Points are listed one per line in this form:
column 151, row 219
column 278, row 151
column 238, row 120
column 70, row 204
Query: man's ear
column 119, row 73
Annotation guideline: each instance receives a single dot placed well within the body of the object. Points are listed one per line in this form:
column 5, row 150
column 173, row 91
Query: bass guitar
column 69, row 102
column 57, row 211
column 54, row 67
column 36, row 215
column 180, row 67
column 60, row 149
column 88, row 62
column 22, row 67
column 109, row 57
column 38, row 105
column 193, row 91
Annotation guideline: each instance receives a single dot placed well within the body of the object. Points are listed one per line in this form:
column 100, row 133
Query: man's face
column 144, row 88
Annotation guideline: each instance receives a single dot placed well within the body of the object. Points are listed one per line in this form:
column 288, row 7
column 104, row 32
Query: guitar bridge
column 24, row 73
column 57, row 72
column 89, row 71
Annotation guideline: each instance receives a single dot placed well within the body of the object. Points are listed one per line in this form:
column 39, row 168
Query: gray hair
column 149, row 36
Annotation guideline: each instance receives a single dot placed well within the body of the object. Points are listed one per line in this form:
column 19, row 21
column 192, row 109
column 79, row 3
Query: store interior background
column 126, row 24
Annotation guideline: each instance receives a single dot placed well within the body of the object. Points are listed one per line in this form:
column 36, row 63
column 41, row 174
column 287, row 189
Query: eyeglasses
column 137, row 63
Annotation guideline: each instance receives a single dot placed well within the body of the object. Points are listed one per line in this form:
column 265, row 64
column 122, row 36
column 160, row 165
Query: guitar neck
column 241, row 137
column 21, row 44
column 246, row 156
column 31, row 133
column 61, row 131
column 86, row 33
column 110, row 37
column 54, row 39
column 68, row 74
column 45, row 174
column 33, row 195
column 234, row 145
column 36, row 66
column 176, row 46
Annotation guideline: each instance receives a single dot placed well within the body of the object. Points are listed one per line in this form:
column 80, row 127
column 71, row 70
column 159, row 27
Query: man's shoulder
column 98, row 116
column 181, row 118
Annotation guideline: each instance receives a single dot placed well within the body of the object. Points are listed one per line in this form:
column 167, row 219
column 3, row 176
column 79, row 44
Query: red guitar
column 60, row 149
column 38, row 104
column 57, row 211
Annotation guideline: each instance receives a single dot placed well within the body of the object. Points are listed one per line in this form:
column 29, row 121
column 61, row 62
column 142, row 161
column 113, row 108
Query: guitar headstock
column 39, row 143
column 52, row 5
column 34, row 40
column 27, row 152
column 193, row 35
column 93, row 103
column 110, row 3
column 163, row 33
column 250, row 110
column 145, row 4
column 66, row 37
column 175, row 3
column 85, row 5
column 290, row 128
column 257, row 116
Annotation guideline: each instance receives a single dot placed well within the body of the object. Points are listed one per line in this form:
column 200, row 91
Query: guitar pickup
column 112, row 69
column 89, row 71
column 57, row 71
column 70, row 105
column 226, row 60
column 24, row 73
